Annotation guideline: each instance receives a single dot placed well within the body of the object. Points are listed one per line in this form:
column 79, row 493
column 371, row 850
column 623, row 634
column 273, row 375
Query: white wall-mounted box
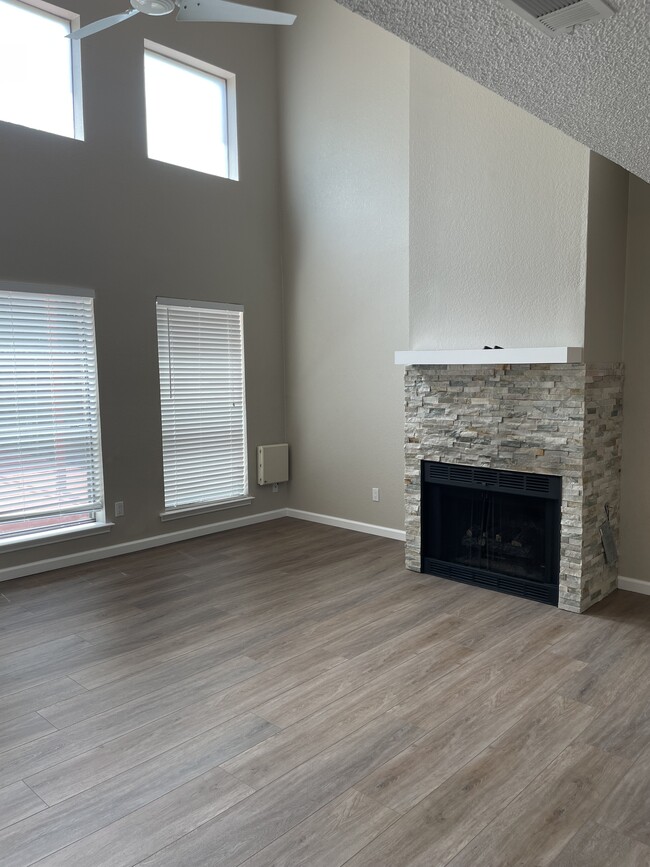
column 272, row 464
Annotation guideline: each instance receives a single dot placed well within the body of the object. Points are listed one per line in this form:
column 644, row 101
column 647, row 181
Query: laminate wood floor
column 288, row 694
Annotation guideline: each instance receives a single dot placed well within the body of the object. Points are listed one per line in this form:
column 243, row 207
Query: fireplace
column 492, row 528
column 546, row 423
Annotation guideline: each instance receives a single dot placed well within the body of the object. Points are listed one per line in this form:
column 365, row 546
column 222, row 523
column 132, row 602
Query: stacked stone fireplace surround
column 559, row 419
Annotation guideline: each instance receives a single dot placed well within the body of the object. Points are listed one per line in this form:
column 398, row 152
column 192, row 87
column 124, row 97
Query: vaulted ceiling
column 593, row 84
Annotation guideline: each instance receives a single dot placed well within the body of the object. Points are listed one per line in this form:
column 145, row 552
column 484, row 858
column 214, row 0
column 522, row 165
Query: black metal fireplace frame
column 436, row 475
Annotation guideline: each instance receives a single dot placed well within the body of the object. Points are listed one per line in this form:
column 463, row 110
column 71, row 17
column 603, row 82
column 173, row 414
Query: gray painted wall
column 345, row 182
column 606, row 254
column 98, row 214
column 635, row 505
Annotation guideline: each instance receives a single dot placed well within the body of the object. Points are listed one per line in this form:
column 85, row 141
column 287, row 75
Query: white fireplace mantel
column 538, row 355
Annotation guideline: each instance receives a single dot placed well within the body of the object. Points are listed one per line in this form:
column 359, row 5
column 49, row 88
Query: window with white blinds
column 50, row 452
column 201, row 360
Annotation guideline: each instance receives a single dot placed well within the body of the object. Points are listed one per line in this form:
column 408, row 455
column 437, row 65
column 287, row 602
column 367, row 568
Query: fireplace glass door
column 493, row 528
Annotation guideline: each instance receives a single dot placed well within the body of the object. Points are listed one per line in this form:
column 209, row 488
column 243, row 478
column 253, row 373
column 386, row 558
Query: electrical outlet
column 375, row 495
column 119, row 509
column 276, row 487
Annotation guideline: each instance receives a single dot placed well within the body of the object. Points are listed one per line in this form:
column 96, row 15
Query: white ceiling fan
column 191, row 10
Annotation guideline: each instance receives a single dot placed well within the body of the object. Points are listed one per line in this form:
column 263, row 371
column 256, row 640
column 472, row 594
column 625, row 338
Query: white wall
column 345, row 128
column 498, row 219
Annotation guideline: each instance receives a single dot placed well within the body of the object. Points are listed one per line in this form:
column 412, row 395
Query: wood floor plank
column 374, row 634
column 91, row 768
column 481, row 673
column 277, row 808
column 615, row 675
column 128, row 703
column 594, row 637
column 369, row 628
column 624, row 726
column 329, row 837
column 540, row 822
column 229, row 639
column 22, row 730
column 288, row 748
column 18, row 802
column 305, row 699
column 37, row 697
column 42, row 629
column 596, row 846
column 626, row 809
column 37, row 756
column 146, row 830
column 35, row 665
column 412, row 775
column 494, row 627
column 43, row 834
column 443, row 823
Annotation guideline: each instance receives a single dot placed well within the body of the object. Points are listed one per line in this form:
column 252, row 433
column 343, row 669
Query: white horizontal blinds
column 50, row 460
column 201, row 355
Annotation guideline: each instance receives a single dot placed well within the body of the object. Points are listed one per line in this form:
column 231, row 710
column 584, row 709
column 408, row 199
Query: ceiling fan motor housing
column 154, row 7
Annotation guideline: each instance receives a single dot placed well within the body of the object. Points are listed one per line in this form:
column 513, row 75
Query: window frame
column 210, row 69
column 74, row 20
column 245, row 498
column 72, row 531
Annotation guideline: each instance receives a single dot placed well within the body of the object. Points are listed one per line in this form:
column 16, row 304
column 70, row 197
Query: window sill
column 205, row 508
column 47, row 537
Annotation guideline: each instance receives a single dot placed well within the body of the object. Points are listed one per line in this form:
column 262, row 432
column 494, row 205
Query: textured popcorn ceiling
column 593, row 85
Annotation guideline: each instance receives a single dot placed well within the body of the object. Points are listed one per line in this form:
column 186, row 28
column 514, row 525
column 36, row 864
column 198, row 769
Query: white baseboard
column 81, row 557
column 89, row 556
column 634, row 585
column 344, row 524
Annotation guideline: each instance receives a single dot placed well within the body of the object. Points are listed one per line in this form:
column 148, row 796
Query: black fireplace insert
column 494, row 528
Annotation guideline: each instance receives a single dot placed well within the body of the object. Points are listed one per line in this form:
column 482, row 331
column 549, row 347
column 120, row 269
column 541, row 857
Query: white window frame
column 171, row 512
column 74, row 21
column 100, row 524
column 231, row 97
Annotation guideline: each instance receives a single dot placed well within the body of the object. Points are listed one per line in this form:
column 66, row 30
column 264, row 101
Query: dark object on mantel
column 493, row 347
column 493, row 528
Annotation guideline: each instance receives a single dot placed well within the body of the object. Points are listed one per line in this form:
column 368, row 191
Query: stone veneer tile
column 560, row 419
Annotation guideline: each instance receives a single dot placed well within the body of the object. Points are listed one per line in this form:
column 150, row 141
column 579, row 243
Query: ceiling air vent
column 555, row 17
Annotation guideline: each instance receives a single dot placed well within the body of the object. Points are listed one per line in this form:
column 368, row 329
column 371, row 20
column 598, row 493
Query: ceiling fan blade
column 102, row 24
column 230, row 13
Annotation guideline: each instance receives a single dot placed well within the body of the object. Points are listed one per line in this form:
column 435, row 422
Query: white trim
column 186, row 59
column 231, row 127
column 77, row 91
column 539, row 355
column 199, row 305
column 48, row 537
column 345, row 524
column 137, row 545
column 188, row 511
column 45, row 289
column 634, row 585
